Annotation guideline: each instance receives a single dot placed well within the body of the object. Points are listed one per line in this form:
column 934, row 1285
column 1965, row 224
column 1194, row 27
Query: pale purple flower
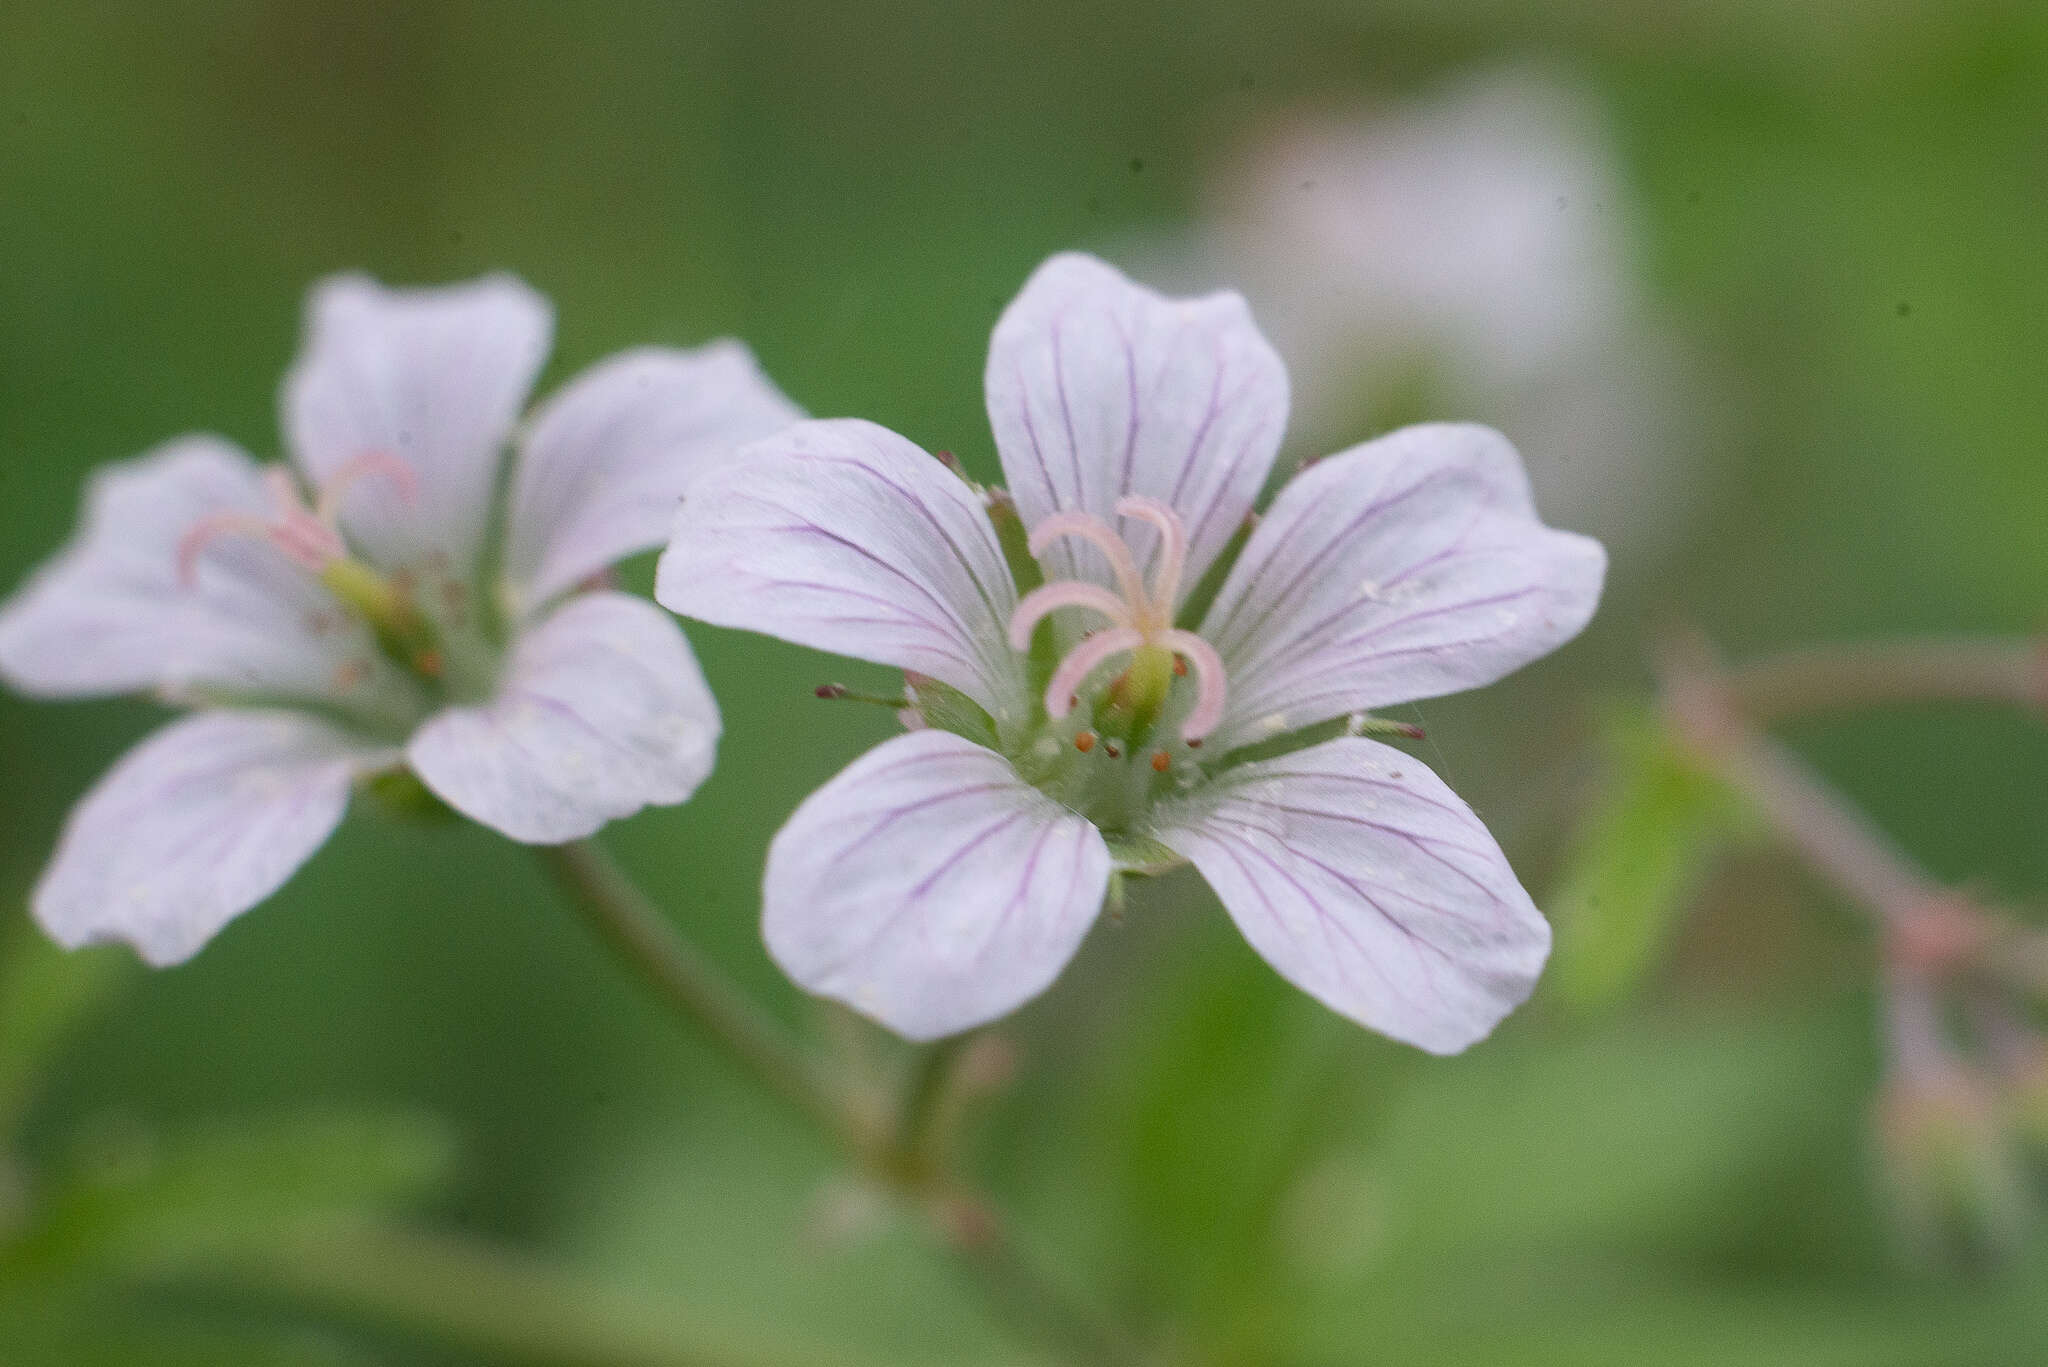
column 371, row 605
column 1102, row 720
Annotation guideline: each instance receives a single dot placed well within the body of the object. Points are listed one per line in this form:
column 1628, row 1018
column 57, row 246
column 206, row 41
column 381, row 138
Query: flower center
column 310, row 538
column 1140, row 619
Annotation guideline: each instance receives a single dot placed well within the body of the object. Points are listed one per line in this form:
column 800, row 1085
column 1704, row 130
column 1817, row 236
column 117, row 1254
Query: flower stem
column 1708, row 712
column 1881, row 673
column 896, row 1155
column 691, row 986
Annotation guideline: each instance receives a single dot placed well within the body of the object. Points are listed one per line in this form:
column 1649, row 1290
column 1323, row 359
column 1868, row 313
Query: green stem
column 921, row 1118
column 693, row 987
column 894, row 1157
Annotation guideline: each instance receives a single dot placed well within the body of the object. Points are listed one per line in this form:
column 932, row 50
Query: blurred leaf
column 726, row 1210
column 45, row 992
column 1639, row 855
column 44, row 1327
column 1665, row 1134
column 1222, row 1099
column 132, row 1202
column 1580, row 1310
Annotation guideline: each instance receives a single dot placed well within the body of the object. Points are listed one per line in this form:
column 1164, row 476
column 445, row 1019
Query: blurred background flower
column 1466, row 251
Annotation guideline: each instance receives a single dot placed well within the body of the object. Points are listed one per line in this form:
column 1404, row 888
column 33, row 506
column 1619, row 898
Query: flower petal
column 845, row 537
column 194, row 826
column 929, row 887
column 602, row 711
column 1369, row 885
column 110, row 613
column 1409, row 567
column 1098, row 387
column 606, row 459
column 434, row 377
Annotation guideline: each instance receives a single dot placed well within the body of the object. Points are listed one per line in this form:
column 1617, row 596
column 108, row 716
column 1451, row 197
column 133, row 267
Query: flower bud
column 1951, row 1169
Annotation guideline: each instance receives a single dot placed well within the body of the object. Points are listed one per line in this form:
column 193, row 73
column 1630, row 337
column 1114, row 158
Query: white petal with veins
column 602, row 711
column 1369, row 885
column 194, row 826
column 929, row 887
column 1098, row 387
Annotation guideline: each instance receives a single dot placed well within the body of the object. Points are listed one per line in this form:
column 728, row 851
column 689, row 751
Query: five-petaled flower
column 1166, row 688
column 400, row 617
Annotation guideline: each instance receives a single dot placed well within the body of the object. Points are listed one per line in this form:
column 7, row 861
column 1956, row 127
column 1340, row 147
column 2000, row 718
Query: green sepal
column 399, row 793
column 1013, row 538
column 945, row 708
column 1044, row 655
column 1287, row 742
column 1202, row 596
column 1140, row 855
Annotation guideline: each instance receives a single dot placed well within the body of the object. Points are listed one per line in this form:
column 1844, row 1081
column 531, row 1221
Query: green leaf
column 129, row 1201
column 1639, row 854
column 45, row 993
column 1224, row 1094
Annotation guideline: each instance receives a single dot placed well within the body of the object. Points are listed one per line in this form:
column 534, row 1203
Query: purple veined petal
column 113, row 613
column 843, row 536
column 929, row 887
column 1405, row 568
column 602, row 711
column 605, row 460
column 194, row 826
column 434, row 377
column 1098, row 387
column 1368, row 884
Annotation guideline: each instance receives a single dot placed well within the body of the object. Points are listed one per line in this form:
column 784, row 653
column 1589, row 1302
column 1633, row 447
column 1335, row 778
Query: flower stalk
column 1832, row 678
column 902, row 1153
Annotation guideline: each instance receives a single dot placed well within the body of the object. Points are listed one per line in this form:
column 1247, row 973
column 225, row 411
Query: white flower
column 947, row 876
column 396, row 616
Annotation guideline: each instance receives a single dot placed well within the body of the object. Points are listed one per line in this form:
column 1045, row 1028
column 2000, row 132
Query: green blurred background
column 1835, row 218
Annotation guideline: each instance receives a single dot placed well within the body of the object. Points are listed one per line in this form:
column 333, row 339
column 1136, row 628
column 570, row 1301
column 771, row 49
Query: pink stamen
column 1173, row 547
column 306, row 536
column 1209, row 683
column 1081, row 661
column 1066, row 593
column 1138, row 617
column 306, row 543
column 1093, row 529
column 208, row 530
column 359, row 468
column 309, row 542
